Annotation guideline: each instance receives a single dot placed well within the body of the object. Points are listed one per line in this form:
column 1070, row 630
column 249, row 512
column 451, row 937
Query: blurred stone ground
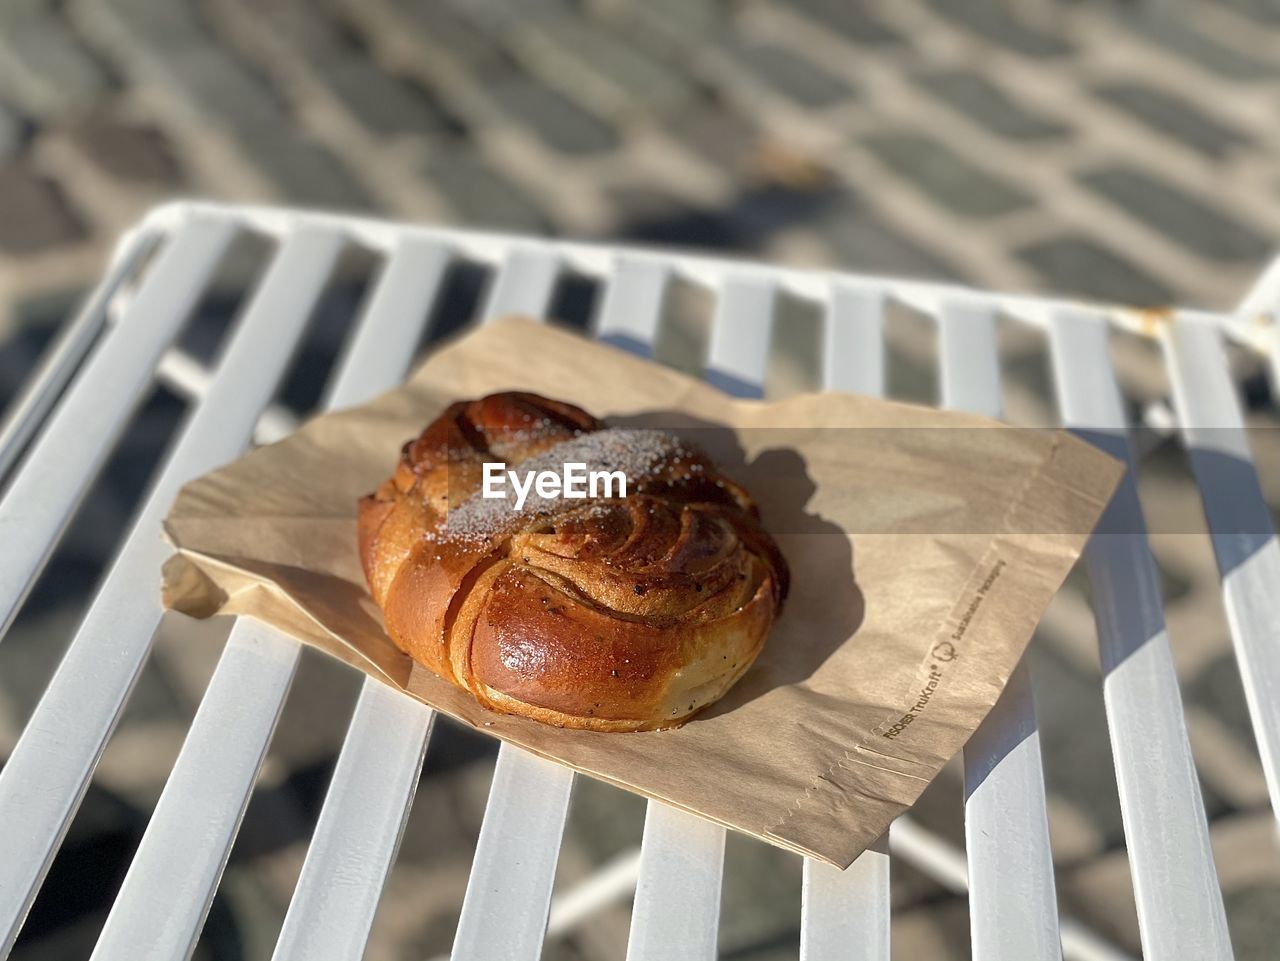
column 1107, row 150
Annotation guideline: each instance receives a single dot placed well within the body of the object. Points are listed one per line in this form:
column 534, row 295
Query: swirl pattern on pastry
column 607, row 613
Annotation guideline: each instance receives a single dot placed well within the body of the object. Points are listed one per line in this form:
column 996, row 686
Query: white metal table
column 62, row 430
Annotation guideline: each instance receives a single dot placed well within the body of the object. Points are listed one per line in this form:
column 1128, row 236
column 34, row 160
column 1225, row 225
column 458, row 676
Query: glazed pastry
column 607, row 612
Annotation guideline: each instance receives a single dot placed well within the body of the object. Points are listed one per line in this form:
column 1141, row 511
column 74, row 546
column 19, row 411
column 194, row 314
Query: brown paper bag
column 924, row 546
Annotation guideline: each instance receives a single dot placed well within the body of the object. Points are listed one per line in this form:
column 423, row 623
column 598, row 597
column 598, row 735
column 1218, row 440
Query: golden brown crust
column 612, row 614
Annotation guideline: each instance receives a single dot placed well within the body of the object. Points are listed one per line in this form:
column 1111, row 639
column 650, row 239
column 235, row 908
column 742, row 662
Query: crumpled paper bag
column 924, row 546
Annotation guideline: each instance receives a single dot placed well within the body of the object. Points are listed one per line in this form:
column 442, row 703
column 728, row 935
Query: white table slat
column 373, row 784
column 672, row 890
column 189, row 378
column 845, row 914
column 1244, row 539
column 45, row 777
column 632, row 308
column 946, row 864
column 359, row 830
column 677, row 902
column 968, row 359
column 378, row 356
column 519, row 843
column 741, row 335
column 167, row 891
column 630, row 318
column 524, row 285
column 741, row 332
column 376, row 359
column 79, row 435
column 1013, row 907
column 853, row 341
column 58, row 366
column 504, row 913
column 1180, row 908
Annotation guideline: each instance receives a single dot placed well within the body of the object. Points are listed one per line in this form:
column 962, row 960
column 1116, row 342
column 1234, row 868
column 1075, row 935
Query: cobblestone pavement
column 1114, row 151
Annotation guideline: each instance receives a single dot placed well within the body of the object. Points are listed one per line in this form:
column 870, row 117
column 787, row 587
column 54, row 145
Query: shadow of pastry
column 825, row 607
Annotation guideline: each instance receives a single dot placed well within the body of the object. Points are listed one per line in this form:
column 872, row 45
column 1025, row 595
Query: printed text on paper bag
column 944, row 653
